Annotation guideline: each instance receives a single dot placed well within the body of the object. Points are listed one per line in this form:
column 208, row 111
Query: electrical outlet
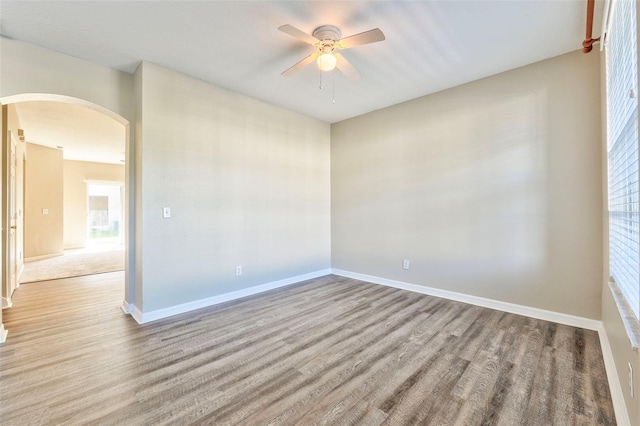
column 405, row 264
column 238, row 270
column 631, row 379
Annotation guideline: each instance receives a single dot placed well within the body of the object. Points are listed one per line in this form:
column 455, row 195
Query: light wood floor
column 328, row 351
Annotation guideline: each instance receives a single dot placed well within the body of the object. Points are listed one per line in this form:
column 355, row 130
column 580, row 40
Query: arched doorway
column 9, row 217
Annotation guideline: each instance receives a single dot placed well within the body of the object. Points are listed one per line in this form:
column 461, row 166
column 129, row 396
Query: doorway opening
column 42, row 118
column 105, row 216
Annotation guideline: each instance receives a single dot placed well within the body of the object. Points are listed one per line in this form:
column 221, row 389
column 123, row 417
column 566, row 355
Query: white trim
column 44, row 256
column 104, row 182
column 615, row 388
column 558, row 317
column 75, row 247
column 20, row 271
column 628, row 317
column 606, row 18
column 26, row 97
column 126, row 307
column 6, row 303
column 3, row 333
column 136, row 313
column 145, row 317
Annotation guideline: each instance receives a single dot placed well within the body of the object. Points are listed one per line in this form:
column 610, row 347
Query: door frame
column 9, row 212
column 129, row 199
column 13, row 212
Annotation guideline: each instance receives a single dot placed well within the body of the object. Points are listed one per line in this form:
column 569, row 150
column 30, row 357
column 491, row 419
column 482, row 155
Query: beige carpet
column 73, row 265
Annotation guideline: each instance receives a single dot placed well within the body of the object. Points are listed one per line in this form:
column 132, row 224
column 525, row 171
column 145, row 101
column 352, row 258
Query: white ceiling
column 429, row 46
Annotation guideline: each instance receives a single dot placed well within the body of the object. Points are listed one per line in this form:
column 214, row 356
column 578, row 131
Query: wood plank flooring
column 328, row 351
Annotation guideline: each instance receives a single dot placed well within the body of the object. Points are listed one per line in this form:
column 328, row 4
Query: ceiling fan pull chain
column 320, row 80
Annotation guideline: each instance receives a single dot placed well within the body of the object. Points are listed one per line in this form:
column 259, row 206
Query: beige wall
column 3, row 331
column 43, row 190
column 26, row 68
column 136, row 288
column 75, row 177
column 490, row 189
column 248, row 184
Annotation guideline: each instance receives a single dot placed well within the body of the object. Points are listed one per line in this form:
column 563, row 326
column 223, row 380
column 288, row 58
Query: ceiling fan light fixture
column 327, row 62
column 327, row 39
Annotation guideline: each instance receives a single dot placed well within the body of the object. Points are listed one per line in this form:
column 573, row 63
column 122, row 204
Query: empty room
column 331, row 212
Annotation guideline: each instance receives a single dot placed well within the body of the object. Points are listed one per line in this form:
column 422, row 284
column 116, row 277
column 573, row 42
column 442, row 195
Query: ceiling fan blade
column 345, row 66
column 297, row 67
column 366, row 37
column 299, row 34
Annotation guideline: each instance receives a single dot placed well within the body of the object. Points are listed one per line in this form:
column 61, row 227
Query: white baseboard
column 20, row 271
column 136, row 313
column 145, row 317
column 45, row 256
column 617, row 397
column 3, row 334
column 126, row 307
column 6, row 303
column 558, row 317
column 615, row 387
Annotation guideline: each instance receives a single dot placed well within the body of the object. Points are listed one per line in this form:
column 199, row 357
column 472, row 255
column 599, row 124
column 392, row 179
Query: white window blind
column 622, row 137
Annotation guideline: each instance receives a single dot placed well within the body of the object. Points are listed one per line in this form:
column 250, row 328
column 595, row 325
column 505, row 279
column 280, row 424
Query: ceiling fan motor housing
column 327, row 34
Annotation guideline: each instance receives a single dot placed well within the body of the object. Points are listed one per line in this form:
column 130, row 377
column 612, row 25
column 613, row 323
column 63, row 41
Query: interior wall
column 490, row 189
column 248, row 185
column 43, row 190
column 75, row 175
column 6, row 222
column 26, row 68
column 137, row 200
column 3, row 331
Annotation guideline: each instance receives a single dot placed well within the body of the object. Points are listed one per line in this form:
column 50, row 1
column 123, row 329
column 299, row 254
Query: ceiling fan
column 327, row 41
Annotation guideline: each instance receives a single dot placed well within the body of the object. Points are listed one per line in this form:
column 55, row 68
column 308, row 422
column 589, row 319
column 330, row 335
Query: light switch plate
column 45, row 211
column 166, row 212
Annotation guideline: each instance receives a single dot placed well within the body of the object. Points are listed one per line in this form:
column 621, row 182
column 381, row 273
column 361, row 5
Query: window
column 622, row 150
